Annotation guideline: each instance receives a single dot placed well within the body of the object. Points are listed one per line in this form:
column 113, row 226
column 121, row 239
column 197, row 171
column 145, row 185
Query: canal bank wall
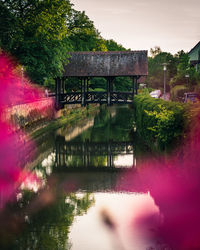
column 40, row 116
column 66, row 117
column 26, row 114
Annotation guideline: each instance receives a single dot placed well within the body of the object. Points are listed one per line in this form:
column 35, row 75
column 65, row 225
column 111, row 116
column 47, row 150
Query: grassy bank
column 75, row 115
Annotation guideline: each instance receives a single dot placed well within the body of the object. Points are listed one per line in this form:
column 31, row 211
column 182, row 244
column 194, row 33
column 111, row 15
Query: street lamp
column 187, row 78
column 165, row 69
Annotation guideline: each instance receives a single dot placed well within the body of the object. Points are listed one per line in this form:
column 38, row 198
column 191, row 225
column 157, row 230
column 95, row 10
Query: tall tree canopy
column 39, row 33
column 113, row 46
column 34, row 31
column 83, row 34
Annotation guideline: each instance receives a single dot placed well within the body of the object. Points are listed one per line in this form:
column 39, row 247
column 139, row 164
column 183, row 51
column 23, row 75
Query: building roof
column 194, row 47
column 105, row 64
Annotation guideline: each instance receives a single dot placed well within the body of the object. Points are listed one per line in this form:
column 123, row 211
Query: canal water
column 76, row 200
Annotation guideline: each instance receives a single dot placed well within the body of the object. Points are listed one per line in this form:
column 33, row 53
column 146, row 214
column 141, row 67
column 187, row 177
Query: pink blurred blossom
column 16, row 148
column 174, row 184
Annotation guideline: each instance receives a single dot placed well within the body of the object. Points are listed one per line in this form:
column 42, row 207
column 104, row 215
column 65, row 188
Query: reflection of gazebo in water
column 93, row 155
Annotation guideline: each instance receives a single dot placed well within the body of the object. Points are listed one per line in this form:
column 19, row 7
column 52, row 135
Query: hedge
column 159, row 123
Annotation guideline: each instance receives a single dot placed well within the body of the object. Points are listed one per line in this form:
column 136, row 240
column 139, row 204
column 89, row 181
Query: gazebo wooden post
column 136, row 86
column 83, row 88
column 133, row 86
column 88, row 79
column 58, row 92
column 108, row 91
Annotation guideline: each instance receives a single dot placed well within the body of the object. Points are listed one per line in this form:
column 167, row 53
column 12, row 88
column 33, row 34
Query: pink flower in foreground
column 174, row 184
column 16, row 149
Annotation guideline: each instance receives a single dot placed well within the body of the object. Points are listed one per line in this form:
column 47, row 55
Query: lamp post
column 187, row 79
column 164, row 69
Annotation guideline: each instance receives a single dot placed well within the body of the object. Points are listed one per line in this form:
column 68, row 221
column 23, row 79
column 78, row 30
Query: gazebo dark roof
column 105, row 64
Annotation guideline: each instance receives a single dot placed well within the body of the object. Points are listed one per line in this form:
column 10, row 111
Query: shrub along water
column 159, row 123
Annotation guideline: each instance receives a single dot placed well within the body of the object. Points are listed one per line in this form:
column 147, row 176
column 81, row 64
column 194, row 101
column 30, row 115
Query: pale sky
column 142, row 24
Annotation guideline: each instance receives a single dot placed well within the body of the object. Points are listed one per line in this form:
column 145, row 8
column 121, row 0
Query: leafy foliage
column 183, row 69
column 155, row 67
column 40, row 33
column 177, row 68
column 123, row 83
column 158, row 122
column 83, row 34
column 177, row 92
column 34, row 32
column 113, row 46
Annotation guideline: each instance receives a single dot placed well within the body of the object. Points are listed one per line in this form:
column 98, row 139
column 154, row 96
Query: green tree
column 38, row 35
column 155, row 51
column 184, row 68
column 83, row 34
column 113, row 46
column 155, row 67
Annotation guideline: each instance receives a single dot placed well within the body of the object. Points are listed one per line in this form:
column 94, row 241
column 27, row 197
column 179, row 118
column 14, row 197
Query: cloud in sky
column 141, row 24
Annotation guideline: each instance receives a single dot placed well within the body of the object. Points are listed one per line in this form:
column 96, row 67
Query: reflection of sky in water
column 123, row 161
column 89, row 232
column 48, row 163
column 119, row 161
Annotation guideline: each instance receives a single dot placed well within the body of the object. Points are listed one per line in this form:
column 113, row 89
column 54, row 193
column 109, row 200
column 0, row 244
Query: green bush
column 145, row 91
column 99, row 90
column 177, row 92
column 158, row 122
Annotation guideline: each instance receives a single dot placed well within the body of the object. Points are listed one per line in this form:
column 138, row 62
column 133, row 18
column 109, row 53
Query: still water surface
column 74, row 203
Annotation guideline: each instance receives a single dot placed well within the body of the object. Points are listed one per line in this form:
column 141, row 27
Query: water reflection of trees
column 111, row 124
column 100, row 145
column 45, row 226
